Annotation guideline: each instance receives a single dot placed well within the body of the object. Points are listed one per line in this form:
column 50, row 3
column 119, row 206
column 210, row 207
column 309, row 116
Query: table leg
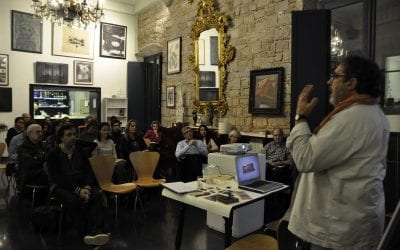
column 178, row 238
column 228, row 231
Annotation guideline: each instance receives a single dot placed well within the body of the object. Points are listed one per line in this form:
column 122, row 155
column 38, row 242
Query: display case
column 56, row 102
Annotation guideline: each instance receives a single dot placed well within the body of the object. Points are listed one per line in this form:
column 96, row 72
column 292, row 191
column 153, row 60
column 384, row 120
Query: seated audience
column 106, row 146
column 27, row 117
column 234, row 136
column 193, row 153
column 116, row 134
column 279, row 168
column 90, row 133
column 207, row 139
column 17, row 129
column 73, row 184
column 32, row 158
column 153, row 136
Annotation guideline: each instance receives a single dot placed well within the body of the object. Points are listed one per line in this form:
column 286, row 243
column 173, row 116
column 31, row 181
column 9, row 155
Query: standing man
column 340, row 203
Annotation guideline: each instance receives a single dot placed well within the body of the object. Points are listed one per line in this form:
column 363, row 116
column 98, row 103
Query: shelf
column 50, row 98
column 46, row 107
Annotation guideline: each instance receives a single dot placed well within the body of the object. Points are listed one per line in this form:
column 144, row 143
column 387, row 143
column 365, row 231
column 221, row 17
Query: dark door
column 144, row 90
column 311, row 60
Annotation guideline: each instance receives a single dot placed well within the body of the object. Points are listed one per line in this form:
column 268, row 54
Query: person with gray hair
column 32, row 158
column 340, row 202
column 234, row 136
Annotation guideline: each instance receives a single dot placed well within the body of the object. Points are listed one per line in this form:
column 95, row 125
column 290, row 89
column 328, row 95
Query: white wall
column 109, row 74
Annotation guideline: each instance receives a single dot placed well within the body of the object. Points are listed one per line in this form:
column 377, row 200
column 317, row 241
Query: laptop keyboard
column 259, row 184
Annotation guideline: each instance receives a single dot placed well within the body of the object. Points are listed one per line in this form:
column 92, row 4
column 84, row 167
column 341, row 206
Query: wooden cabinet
column 117, row 107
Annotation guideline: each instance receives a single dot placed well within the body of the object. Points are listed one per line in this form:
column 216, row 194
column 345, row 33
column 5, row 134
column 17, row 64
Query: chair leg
column 60, row 223
column 116, row 211
column 137, row 199
column 33, row 198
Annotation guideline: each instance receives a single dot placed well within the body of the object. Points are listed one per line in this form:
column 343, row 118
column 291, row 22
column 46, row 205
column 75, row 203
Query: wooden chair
column 103, row 168
column 255, row 242
column 144, row 164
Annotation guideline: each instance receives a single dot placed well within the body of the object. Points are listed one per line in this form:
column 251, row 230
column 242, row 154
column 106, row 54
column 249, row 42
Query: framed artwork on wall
column 265, row 95
column 73, row 41
column 26, row 32
column 174, row 55
column 3, row 70
column 83, row 72
column 171, row 97
column 113, row 40
column 51, row 72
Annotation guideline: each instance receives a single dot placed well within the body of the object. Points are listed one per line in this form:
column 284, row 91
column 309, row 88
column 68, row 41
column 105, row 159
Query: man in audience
column 279, row 160
column 18, row 128
column 73, row 184
column 116, row 134
column 279, row 167
column 91, row 132
column 27, row 117
column 32, row 158
column 193, row 153
column 340, row 202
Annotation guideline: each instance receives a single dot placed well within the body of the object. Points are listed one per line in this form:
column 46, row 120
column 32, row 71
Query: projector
column 235, row 148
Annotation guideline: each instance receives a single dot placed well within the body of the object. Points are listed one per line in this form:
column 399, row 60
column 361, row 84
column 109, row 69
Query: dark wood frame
column 90, row 80
column 178, row 60
column 278, row 91
column 106, row 47
column 35, row 23
column 5, row 68
column 170, row 93
column 45, row 72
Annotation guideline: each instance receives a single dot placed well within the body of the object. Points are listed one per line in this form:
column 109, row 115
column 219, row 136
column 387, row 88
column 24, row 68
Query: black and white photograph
column 83, row 72
column 3, row 69
column 113, row 40
column 26, row 32
column 51, row 72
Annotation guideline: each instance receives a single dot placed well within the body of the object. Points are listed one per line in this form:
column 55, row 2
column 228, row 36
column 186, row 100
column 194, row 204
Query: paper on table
column 181, row 187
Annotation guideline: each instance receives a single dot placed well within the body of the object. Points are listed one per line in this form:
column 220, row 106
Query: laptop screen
column 247, row 168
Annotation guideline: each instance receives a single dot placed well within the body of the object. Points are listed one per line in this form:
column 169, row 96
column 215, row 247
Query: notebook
column 249, row 178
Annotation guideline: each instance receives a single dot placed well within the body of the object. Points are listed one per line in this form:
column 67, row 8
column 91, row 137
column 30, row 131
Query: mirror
column 211, row 55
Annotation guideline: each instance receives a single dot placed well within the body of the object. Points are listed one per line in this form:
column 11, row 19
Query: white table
column 218, row 208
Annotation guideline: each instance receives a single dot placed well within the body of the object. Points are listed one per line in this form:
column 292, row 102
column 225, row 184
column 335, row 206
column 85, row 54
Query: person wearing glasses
column 192, row 153
column 340, row 202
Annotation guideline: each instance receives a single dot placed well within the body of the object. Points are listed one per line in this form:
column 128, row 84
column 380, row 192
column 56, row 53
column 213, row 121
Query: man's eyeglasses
column 334, row 75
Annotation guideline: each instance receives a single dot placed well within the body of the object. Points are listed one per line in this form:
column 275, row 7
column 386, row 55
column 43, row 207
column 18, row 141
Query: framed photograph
column 113, row 40
column 83, row 72
column 266, row 88
column 171, row 97
column 26, row 32
column 51, row 72
column 174, row 56
column 3, row 69
column 73, row 41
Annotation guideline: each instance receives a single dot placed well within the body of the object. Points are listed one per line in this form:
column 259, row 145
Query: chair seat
column 149, row 182
column 255, row 242
column 119, row 188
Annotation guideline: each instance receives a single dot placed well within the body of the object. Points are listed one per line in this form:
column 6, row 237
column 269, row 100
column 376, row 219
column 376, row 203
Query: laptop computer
column 249, row 178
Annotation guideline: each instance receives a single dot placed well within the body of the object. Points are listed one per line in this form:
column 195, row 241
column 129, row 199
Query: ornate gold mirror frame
column 208, row 18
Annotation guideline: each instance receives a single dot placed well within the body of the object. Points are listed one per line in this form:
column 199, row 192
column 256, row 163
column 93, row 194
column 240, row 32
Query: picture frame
column 73, row 41
column 83, row 72
column 266, row 89
column 113, row 39
column 51, row 72
column 171, row 97
column 174, row 55
column 4, row 75
column 26, row 32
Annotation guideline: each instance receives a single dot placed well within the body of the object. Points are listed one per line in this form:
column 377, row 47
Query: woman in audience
column 18, row 128
column 153, row 136
column 132, row 141
column 234, row 136
column 207, row 140
column 106, row 146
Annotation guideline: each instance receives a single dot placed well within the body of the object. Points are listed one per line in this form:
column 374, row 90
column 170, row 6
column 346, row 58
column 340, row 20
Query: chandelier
column 70, row 12
column 336, row 43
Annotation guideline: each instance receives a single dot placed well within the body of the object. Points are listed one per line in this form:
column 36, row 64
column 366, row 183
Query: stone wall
column 260, row 31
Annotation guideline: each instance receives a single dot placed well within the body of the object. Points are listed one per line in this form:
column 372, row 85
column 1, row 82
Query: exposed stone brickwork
column 260, row 31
